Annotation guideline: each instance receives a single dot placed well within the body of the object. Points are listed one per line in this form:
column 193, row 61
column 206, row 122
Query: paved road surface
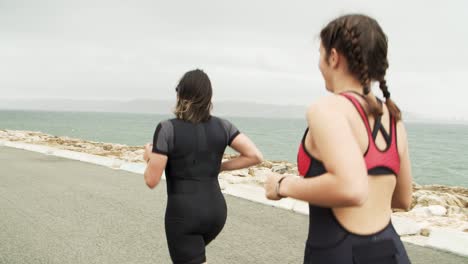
column 54, row 210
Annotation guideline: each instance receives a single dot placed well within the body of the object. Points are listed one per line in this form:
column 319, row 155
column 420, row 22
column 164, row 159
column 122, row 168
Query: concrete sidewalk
column 54, row 210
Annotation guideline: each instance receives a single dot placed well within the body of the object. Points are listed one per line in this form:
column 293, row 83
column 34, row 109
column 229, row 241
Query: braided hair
column 362, row 42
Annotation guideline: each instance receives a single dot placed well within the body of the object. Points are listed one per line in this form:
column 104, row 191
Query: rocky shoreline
column 434, row 206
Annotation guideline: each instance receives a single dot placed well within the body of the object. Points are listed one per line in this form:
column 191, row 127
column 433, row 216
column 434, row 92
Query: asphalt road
column 54, row 210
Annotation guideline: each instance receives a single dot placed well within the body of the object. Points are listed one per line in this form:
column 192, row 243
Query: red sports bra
column 378, row 162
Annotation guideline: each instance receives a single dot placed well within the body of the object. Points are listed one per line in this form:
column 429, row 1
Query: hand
column 270, row 186
column 148, row 151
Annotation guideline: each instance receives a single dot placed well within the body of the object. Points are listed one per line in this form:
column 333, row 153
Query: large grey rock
column 405, row 226
column 240, row 173
column 420, row 211
column 426, row 211
column 437, row 210
column 281, row 169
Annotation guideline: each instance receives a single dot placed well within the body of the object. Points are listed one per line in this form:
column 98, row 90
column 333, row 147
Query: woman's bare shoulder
column 329, row 105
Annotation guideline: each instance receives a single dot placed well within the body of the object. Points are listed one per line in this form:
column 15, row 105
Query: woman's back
column 354, row 156
column 196, row 149
column 190, row 149
column 374, row 214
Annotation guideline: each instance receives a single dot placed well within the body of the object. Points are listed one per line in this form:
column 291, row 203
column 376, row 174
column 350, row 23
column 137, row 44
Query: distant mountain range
column 223, row 108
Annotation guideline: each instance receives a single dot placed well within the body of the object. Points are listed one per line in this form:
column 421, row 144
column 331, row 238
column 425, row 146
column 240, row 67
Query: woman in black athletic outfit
column 190, row 148
column 354, row 153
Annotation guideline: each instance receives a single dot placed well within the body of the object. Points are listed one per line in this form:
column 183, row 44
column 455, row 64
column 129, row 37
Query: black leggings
column 192, row 221
column 384, row 247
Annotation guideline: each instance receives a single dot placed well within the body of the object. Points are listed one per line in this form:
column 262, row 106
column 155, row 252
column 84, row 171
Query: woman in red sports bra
column 354, row 153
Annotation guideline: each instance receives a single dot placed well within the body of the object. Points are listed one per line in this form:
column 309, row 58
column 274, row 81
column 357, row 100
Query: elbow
column 355, row 199
column 258, row 158
column 355, row 195
column 254, row 158
column 404, row 204
column 152, row 184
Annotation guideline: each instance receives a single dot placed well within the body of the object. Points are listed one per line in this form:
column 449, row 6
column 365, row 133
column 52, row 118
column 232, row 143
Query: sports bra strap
column 361, row 111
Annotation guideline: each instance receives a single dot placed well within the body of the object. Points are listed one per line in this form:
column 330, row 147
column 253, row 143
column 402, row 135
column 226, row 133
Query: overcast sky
column 253, row 50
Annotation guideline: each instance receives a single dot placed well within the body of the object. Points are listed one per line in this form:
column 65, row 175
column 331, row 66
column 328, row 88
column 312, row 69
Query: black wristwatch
column 278, row 187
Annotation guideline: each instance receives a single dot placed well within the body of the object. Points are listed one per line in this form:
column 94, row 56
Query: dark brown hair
column 363, row 43
column 194, row 97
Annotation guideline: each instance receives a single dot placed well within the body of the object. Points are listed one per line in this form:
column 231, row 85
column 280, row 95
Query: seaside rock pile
column 436, row 206
column 433, row 205
column 118, row 151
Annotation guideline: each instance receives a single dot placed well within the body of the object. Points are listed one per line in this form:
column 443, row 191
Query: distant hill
column 226, row 108
column 223, row 108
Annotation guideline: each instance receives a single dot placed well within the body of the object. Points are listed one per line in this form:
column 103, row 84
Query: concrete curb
column 449, row 240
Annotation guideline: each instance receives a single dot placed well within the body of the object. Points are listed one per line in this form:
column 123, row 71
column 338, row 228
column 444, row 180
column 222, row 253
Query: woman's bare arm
column 249, row 154
column 345, row 183
column 402, row 195
column 155, row 167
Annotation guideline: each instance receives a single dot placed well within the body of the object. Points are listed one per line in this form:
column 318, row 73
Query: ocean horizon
column 438, row 151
